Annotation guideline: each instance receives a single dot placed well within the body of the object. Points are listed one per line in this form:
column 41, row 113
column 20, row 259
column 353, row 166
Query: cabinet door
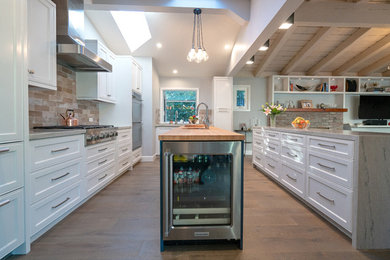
column 11, row 167
column 11, row 221
column 12, row 69
column 223, row 102
column 136, row 76
column 102, row 76
column 42, row 65
column 110, row 78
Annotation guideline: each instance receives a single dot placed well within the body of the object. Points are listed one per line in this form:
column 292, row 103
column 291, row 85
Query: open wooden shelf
column 317, row 110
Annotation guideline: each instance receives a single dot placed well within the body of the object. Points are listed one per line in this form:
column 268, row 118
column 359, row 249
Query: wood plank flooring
column 122, row 222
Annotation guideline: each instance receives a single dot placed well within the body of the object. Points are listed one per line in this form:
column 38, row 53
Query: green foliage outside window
column 182, row 101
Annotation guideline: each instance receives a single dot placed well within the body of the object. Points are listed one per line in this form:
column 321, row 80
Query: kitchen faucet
column 205, row 119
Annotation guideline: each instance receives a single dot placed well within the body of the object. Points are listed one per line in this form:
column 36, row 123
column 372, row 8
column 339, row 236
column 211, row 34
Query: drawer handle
column 258, row 143
column 60, row 150
column 327, row 167
column 101, row 178
column 124, row 136
column 292, row 155
column 100, row 163
column 4, row 150
column 101, row 150
column 59, row 177
column 292, row 178
column 124, row 150
column 59, row 204
column 257, row 157
column 125, row 163
column 293, row 139
column 270, row 165
column 322, row 196
column 4, row 203
column 271, row 147
column 327, row 146
column 272, row 135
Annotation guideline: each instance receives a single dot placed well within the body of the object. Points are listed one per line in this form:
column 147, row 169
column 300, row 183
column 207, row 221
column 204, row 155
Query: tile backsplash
column 45, row 106
column 331, row 120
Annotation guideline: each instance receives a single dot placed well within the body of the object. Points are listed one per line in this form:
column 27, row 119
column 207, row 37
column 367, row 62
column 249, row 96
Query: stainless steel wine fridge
column 201, row 191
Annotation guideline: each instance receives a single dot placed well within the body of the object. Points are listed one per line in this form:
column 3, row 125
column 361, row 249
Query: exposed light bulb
column 191, row 55
column 159, row 45
column 174, row 71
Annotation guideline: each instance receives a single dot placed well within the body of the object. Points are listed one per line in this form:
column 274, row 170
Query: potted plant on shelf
column 271, row 111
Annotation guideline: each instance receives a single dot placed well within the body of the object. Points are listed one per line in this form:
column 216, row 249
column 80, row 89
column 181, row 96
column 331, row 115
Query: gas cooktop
column 73, row 127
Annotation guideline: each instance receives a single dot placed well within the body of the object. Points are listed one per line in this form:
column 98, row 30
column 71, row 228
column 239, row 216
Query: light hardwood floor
column 122, row 222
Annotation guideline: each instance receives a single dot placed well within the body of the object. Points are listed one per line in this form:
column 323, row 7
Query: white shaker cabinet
column 136, row 77
column 42, row 57
column 223, row 102
column 98, row 86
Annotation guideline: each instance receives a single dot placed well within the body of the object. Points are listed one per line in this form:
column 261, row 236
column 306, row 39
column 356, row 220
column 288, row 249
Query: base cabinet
column 11, row 221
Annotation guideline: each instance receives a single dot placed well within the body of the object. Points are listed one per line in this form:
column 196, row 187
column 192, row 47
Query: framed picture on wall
column 241, row 98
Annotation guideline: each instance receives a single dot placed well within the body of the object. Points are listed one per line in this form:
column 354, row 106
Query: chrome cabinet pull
column 166, row 189
column 124, row 150
column 292, row 155
column 327, row 146
column 59, row 177
column 109, row 95
column 125, row 163
column 60, row 150
column 271, row 147
column 292, row 178
column 324, row 197
column 101, row 178
column 124, row 136
column 271, row 135
column 327, row 167
column 59, row 204
column 293, row 139
column 101, row 150
column 270, row 165
column 258, row 143
column 100, row 163
column 257, row 157
column 4, row 203
column 4, row 150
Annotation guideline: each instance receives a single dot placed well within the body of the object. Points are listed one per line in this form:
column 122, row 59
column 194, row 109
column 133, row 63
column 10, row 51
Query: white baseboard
column 148, row 158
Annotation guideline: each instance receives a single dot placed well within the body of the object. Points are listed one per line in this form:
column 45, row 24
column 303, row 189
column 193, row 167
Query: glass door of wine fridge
column 201, row 190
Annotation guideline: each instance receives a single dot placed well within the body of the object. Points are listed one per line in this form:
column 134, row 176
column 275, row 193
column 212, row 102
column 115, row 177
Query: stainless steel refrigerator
column 137, row 120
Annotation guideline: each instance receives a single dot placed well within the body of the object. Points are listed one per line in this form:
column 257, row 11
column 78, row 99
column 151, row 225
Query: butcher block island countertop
column 200, row 134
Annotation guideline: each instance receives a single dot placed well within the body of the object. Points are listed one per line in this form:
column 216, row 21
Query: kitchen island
column 201, row 175
column 343, row 175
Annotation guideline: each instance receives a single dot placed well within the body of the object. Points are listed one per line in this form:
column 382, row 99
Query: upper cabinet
column 42, row 60
column 136, row 77
column 12, row 69
column 98, row 86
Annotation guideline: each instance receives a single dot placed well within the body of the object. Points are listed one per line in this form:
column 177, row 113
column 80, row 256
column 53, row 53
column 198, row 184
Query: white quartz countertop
column 124, row 127
column 168, row 125
column 45, row 133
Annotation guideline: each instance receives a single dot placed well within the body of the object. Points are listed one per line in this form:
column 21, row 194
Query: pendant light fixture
column 198, row 51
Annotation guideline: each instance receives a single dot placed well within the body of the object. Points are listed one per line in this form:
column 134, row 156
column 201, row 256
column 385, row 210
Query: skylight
column 134, row 28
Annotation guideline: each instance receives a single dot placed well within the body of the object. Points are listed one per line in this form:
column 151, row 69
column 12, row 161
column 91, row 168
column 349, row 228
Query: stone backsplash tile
column 45, row 106
column 331, row 120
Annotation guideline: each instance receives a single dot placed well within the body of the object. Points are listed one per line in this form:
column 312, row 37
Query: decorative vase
column 272, row 120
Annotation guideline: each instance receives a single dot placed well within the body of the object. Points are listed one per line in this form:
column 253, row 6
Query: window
column 182, row 101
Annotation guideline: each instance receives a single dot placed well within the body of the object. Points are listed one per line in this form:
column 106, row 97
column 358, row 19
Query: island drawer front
column 293, row 179
column 100, row 178
column 11, row 167
column 52, row 151
column 293, row 139
column 332, row 200
column 258, row 158
column 336, row 147
column 54, row 179
column 124, row 164
column 272, row 147
column 48, row 209
column 258, row 132
column 272, row 134
column 137, row 154
column 124, row 149
column 258, row 140
column 296, row 155
column 271, row 166
column 124, row 136
column 97, row 150
column 99, row 163
column 334, row 169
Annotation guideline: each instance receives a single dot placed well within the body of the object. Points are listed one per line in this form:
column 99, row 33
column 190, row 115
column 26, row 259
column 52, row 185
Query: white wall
column 258, row 98
column 90, row 32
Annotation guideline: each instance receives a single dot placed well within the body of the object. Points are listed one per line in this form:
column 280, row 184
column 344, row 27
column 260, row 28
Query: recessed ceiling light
column 251, row 61
column 288, row 23
column 159, row 45
column 174, row 71
column 265, row 46
column 227, row 47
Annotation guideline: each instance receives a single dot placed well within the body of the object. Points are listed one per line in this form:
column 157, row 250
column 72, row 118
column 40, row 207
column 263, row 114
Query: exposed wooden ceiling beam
column 306, row 50
column 274, row 49
column 339, row 50
column 362, row 57
column 386, row 73
column 375, row 66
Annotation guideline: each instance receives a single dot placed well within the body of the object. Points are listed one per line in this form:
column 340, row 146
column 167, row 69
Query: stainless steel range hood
column 71, row 50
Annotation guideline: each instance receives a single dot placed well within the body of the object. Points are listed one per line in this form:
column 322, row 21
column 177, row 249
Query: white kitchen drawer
column 272, row 147
column 334, row 201
column 11, row 221
column 98, row 150
column 333, row 146
column 100, row 178
column 258, row 158
column 11, row 167
column 124, row 149
column 334, row 169
column 272, row 134
column 293, row 179
column 124, row 136
column 99, row 163
column 295, row 155
column 124, row 164
column 54, row 179
column 258, row 131
column 52, row 151
column 258, row 140
column 293, row 139
column 271, row 166
column 48, row 209
column 137, row 155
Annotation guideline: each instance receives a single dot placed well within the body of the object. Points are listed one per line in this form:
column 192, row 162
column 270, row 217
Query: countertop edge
column 124, row 127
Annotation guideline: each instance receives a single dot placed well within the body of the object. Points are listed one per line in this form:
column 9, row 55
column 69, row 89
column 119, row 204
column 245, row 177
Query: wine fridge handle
column 166, row 185
column 170, row 189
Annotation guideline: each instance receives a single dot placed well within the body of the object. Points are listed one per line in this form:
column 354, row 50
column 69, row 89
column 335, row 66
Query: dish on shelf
column 303, row 88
